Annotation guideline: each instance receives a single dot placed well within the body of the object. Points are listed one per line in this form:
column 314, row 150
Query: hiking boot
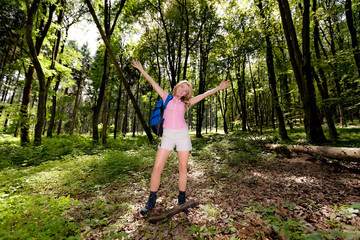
column 150, row 204
column 181, row 197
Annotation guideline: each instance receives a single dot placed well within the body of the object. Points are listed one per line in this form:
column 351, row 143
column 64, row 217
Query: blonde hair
column 184, row 99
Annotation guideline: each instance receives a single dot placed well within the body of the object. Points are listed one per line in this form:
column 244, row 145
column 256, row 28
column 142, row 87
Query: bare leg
column 160, row 160
column 183, row 163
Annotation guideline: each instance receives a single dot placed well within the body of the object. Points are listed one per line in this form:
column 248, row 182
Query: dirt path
column 234, row 202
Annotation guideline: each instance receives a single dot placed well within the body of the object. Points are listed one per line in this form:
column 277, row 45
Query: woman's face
column 182, row 90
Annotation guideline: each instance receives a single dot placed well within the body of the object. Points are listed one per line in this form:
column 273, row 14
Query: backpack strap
column 169, row 97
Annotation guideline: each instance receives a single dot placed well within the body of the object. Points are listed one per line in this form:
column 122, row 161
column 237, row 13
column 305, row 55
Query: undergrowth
column 39, row 185
column 52, row 191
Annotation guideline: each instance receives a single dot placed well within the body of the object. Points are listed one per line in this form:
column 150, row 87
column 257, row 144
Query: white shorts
column 173, row 137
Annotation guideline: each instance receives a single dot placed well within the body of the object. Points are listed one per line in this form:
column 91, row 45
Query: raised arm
column 198, row 98
column 136, row 64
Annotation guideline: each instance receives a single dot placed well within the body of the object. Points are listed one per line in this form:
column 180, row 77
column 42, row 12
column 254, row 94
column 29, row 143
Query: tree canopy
column 291, row 64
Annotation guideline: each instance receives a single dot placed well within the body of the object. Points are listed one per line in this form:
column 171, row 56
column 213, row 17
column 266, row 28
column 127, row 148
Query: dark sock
column 181, row 197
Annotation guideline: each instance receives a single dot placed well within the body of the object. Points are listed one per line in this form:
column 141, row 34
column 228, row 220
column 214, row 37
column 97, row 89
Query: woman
column 175, row 133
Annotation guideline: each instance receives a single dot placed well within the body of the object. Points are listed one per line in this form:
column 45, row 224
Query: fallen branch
column 168, row 214
column 339, row 153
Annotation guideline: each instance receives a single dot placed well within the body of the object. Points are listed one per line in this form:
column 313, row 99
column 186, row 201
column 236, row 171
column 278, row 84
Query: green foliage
column 82, row 166
column 66, row 166
column 52, row 149
column 291, row 229
column 37, row 217
column 231, row 149
column 202, row 232
column 99, row 212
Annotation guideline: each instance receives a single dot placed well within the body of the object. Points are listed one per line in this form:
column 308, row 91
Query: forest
column 77, row 151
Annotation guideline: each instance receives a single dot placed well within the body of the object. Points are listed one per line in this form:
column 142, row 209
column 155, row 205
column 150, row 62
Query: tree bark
column 30, row 73
column 223, row 110
column 352, row 30
column 134, row 115
column 76, row 104
column 168, row 214
column 12, row 99
column 102, row 99
column 322, row 82
column 122, row 77
column 53, row 108
column 302, row 69
column 339, row 153
column 117, row 112
column 240, row 75
column 272, row 79
column 189, row 46
column 33, row 54
column 53, row 61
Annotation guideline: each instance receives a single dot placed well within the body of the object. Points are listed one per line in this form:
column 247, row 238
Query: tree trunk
column 242, row 91
column 33, row 53
column 322, row 85
column 204, row 54
column 12, row 100
column 168, row 214
column 53, row 108
column 335, row 70
column 105, row 103
column 302, row 70
column 117, row 112
column 339, row 153
column 256, row 105
column 352, row 30
column 76, row 104
column 125, row 119
column 61, row 113
column 188, row 46
column 223, row 110
column 272, row 79
column 134, row 115
column 54, row 57
column 118, row 69
column 29, row 76
column 25, row 107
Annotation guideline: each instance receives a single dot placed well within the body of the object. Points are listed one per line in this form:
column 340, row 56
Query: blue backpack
column 156, row 119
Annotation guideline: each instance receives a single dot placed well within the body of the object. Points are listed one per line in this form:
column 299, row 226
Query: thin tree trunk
column 353, row 33
column 223, row 110
column 125, row 119
column 322, row 85
column 118, row 69
column 272, row 79
column 334, row 66
column 242, row 92
column 134, row 115
column 117, row 112
column 76, row 105
column 11, row 101
column 53, row 108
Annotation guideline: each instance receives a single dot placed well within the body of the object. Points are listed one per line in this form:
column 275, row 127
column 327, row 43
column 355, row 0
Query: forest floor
column 72, row 188
column 267, row 196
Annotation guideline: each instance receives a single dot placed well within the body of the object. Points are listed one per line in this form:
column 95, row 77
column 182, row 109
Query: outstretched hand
column 136, row 64
column 224, row 84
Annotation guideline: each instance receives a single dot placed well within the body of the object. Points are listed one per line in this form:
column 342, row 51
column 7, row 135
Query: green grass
column 37, row 217
column 39, row 185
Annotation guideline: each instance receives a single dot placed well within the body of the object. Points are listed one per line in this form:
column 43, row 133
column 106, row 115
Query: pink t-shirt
column 174, row 114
